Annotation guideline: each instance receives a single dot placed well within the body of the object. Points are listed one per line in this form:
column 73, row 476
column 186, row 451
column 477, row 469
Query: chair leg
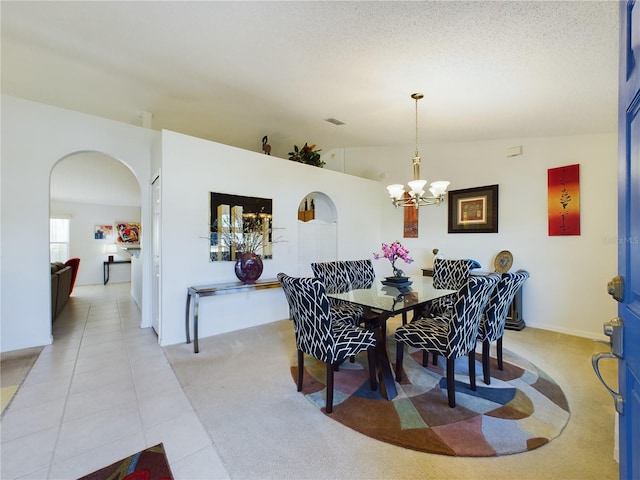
column 472, row 370
column 499, row 354
column 435, row 358
column 399, row 358
column 425, row 358
column 451, row 385
column 371, row 358
column 486, row 368
column 300, row 369
column 329, row 406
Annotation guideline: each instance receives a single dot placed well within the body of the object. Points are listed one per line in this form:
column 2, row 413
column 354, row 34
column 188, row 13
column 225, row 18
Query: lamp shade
column 396, row 191
column 110, row 248
column 417, row 187
column 439, row 187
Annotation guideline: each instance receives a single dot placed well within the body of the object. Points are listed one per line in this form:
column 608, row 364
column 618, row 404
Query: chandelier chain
column 417, row 155
column 417, row 197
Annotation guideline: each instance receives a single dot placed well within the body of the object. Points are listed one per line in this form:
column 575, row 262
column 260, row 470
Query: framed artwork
column 410, row 220
column 473, row 210
column 563, row 200
column 128, row 232
column 100, row 232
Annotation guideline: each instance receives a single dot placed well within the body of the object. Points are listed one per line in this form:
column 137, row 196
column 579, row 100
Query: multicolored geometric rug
column 521, row 410
column 149, row 464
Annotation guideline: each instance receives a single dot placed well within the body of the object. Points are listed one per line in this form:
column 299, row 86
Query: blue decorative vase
column 248, row 267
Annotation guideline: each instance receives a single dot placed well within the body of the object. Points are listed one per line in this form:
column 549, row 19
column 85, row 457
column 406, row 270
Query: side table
column 217, row 289
column 107, row 265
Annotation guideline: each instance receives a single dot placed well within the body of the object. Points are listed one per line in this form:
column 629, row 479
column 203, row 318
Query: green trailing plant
column 307, row 154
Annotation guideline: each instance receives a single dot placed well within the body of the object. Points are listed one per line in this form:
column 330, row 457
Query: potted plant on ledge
column 307, row 154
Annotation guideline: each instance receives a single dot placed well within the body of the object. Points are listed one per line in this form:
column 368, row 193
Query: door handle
column 615, row 288
column 595, row 361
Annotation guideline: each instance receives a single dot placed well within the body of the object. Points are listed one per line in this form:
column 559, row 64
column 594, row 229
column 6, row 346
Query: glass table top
column 392, row 299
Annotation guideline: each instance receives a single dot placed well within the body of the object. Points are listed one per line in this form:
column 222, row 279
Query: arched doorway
column 98, row 192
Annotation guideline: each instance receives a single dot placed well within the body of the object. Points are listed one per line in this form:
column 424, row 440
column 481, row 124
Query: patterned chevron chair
column 336, row 279
column 453, row 335
column 449, row 274
column 495, row 316
column 361, row 273
column 321, row 335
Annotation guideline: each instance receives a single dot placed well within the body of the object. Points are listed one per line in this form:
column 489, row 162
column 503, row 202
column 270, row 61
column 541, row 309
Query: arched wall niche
column 317, row 231
column 317, row 206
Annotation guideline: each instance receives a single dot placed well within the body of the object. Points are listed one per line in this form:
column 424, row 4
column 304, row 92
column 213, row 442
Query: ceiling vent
column 335, row 121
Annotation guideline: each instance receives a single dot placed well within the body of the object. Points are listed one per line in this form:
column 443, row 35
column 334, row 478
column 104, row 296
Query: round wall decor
column 503, row 261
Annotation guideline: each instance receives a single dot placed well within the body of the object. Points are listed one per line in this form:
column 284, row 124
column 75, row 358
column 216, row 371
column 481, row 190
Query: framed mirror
column 239, row 224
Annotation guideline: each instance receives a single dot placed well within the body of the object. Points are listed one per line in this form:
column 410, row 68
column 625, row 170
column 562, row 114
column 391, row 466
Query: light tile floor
column 102, row 391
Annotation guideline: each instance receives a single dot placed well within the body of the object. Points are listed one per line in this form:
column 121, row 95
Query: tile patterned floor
column 102, row 391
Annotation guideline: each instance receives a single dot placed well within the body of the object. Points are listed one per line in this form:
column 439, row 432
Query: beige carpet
column 14, row 367
column 241, row 388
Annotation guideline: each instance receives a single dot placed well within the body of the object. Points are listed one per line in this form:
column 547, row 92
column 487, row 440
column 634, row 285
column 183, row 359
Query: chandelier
column 417, row 197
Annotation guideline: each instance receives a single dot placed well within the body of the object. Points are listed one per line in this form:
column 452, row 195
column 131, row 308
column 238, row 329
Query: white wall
column 567, row 289
column 84, row 217
column 34, row 138
column 566, row 292
column 191, row 168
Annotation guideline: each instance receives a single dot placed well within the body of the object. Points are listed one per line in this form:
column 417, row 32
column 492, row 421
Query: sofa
column 61, row 276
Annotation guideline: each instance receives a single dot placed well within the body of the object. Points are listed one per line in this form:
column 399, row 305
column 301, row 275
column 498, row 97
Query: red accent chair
column 74, row 263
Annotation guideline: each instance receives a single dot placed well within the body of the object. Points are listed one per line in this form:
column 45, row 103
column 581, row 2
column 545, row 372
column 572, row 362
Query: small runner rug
column 521, row 410
column 149, row 464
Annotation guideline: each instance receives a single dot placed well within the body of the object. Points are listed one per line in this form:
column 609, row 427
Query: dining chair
column 335, row 277
column 451, row 335
column 361, row 273
column 449, row 274
column 322, row 335
column 495, row 317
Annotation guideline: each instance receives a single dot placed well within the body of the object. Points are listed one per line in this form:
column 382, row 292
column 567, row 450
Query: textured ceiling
column 233, row 72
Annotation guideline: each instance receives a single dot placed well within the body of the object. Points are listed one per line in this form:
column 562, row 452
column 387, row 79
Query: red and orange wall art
column 564, row 200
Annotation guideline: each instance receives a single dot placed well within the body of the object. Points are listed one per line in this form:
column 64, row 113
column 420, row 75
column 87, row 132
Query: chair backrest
column 361, row 273
column 334, row 276
column 309, row 311
column 495, row 315
column 469, row 304
column 451, row 274
column 74, row 263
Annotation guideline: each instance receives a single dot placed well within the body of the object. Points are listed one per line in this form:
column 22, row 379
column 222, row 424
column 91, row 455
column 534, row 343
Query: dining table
column 382, row 301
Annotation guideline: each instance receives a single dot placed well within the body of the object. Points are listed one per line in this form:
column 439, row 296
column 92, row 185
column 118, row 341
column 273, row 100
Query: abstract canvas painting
column 128, row 232
column 410, row 220
column 564, row 200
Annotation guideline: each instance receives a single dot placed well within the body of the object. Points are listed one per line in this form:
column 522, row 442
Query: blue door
column 629, row 238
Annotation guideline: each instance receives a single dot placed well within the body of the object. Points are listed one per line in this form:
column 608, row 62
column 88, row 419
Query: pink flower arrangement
column 393, row 252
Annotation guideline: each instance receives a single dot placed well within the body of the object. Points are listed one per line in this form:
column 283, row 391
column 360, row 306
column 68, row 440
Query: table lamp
column 110, row 249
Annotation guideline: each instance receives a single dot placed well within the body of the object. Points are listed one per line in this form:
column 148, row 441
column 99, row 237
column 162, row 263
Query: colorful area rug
column 149, row 464
column 521, row 410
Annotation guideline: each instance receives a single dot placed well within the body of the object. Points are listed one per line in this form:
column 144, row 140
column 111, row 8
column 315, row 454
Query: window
column 59, row 239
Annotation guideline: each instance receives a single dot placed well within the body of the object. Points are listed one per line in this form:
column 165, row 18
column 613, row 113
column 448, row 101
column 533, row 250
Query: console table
column 217, row 289
column 107, row 265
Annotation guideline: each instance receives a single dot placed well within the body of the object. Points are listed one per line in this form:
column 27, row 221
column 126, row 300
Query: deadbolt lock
column 616, row 288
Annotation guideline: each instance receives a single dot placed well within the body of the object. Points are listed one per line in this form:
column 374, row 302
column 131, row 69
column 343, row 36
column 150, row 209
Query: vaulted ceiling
column 233, row 72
